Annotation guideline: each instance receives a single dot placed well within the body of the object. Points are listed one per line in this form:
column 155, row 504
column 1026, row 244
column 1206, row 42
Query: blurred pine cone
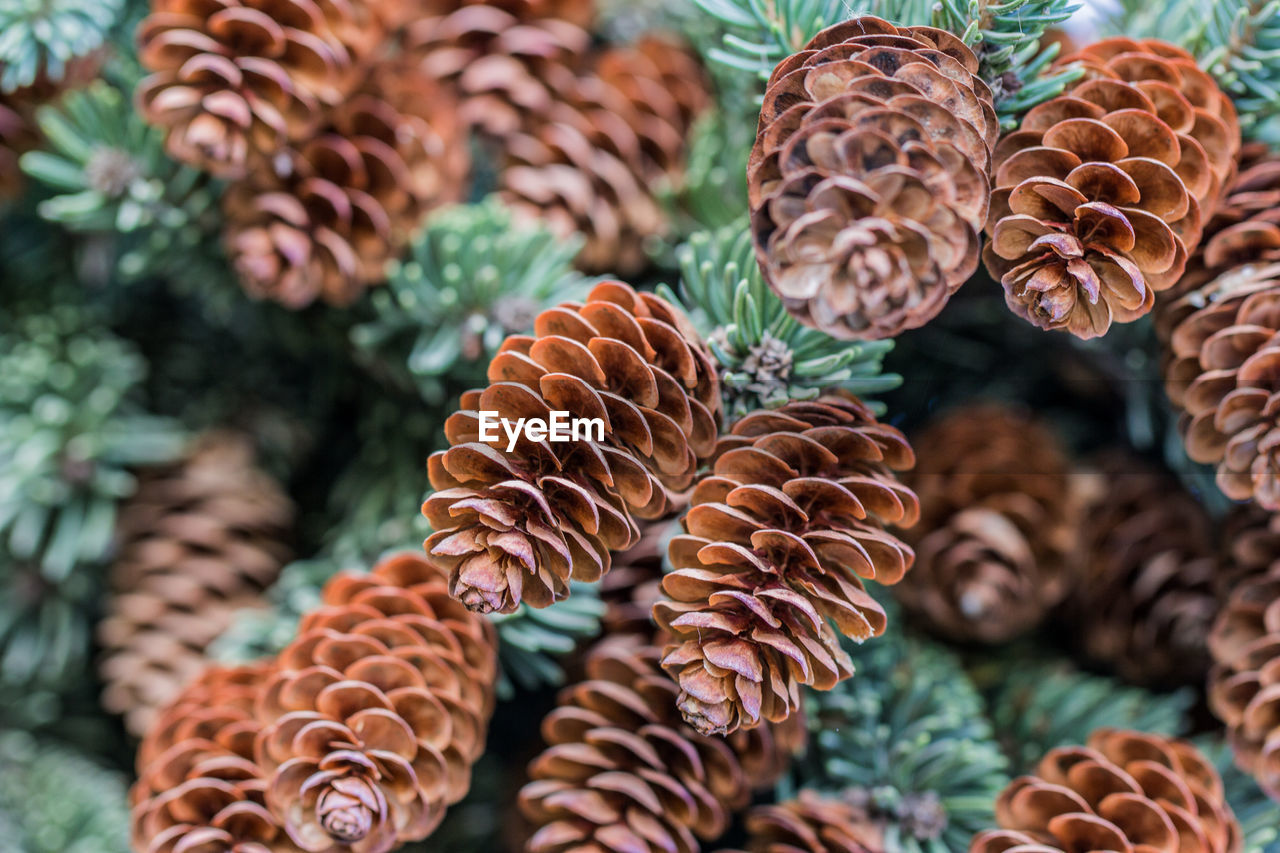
column 1222, row 332
column 1101, row 192
column 622, row 772
column 1251, row 539
column 999, row 521
column 516, row 525
column 781, row 534
column 614, row 141
column 198, row 542
column 1124, row 791
column 325, row 218
column 1146, row 595
column 868, row 182
column 1244, row 687
column 236, row 81
column 812, row 824
column 198, row 786
column 377, row 711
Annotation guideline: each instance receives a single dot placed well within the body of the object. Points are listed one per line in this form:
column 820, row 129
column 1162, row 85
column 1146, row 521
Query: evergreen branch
column 761, row 33
column 1241, row 48
column 531, row 640
column 40, row 39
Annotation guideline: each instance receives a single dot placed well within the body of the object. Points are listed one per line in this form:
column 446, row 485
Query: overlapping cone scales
column 1101, row 193
column 998, row 524
column 781, row 534
column 869, row 182
column 622, row 773
column 199, row 788
column 1147, row 594
column 233, row 81
column 198, row 542
column 1123, row 791
column 515, row 525
column 1222, row 332
column 377, row 710
column 323, row 221
column 1244, row 687
column 812, row 824
column 614, row 138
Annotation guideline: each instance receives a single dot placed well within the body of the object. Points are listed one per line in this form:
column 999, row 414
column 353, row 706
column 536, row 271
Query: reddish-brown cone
column 868, row 182
column 1124, row 791
column 1100, row 193
column 516, row 524
column 622, row 772
column 1146, row 595
column 1222, row 332
column 812, row 824
column 1244, row 687
column 781, row 534
column 998, row 527
column 376, row 712
column 199, row 541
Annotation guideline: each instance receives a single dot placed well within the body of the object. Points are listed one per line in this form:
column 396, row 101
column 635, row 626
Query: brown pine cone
column 615, row 139
column 622, row 773
column 634, row 581
column 516, row 525
column 999, row 517
column 1100, row 193
column 1223, row 338
column 328, row 215
column 235, row 81
column 781, row 534
column 812, row 824
column 1124, row 791
column 377, row 710
column 1244, row 687
column 1251, row 540
column 198, row 541
column 1146, row 595
column 198, row 786
column 868, row 181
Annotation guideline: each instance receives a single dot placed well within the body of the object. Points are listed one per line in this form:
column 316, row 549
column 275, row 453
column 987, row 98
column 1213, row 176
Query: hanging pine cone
column 516, row 525
column 1100, row 193
column 999, row 516
column 1146, row 595
column 1223, row 338
column 868, row 182
column 1124, row 791
column 812, row 824
column 198, row 786
column 1244, row 687
column 236, row 80
column 198, row 542
column 506, row 61
column 324, row 220
column 623, row 773
column 616, row 137
column 781, row 534
column 377, row 711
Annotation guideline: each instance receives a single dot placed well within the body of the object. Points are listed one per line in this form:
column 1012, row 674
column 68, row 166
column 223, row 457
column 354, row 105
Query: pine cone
column 1146, row 597
column 1100, row 193
column 812, row 824
column 326, row 218
column 199, row 787
column 377, row 710
column 623, row 773
column 1251, row 537
column 1244, row 686
column 1223, row 337
column 634, row 582
column 615, row 139
column 1124, row 791
column 505, row 63
column 998, row 525
column 198, row 542
column 780, row 535
column 868, row 181
column 235, row 81
column 516, row 525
